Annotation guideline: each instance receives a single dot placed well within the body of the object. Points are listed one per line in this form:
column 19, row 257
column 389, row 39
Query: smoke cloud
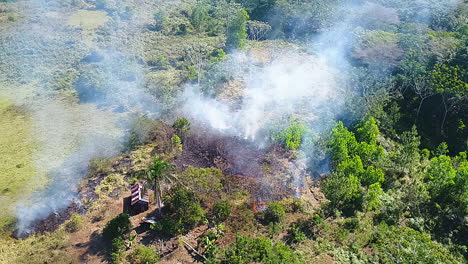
column 313, row 86
column 35, row 55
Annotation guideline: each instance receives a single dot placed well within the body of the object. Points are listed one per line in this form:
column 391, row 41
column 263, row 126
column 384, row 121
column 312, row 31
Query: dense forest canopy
column 262, row 131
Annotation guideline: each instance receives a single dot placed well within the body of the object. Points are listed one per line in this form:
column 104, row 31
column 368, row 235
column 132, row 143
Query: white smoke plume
column 313, row 86
column 69, row 134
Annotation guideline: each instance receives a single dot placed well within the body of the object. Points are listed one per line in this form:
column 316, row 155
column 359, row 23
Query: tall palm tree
column 156, row 175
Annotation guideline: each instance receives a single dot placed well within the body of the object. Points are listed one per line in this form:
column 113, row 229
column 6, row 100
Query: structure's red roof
column 137, row 194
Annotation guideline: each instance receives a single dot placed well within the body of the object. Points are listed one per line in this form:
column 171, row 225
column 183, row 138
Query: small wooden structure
column 139, row 201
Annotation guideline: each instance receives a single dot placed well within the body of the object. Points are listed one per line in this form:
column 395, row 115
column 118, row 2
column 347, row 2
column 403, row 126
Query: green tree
column 182, row 126
column 117, row 227
column 185, row 212
column 176, row 143
column 200, row 16
column 371, row 199
column 144, row 255
column 204, row 182
column 221, row 211
column 448, row 82
column 247, row 249
column 117, row 250
column 275, row 212
column 404, row 245
column 237, row 31
column 156, row 175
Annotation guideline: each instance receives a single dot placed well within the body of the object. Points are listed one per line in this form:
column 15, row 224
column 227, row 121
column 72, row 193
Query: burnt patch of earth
column 260, row 171
column 53, row 221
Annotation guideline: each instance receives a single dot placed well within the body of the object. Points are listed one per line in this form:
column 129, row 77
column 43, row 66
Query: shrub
column 12, row 17
column 117, row 250
column 295, row 234
column 142, row 129
column 74, row 224
column 185, row 213
column 274, row 228
column 176, row 143
column 237, row 31
column 405, row 245
column 275, row 212
column 143, row 255
column 205, row 183
column 117, row 227
column 182, row 125
column 160, row 20
column 221, row 211
column 291, row 136
column 247, row 249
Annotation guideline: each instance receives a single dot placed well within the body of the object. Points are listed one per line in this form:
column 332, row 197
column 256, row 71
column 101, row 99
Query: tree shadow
column 95, row 247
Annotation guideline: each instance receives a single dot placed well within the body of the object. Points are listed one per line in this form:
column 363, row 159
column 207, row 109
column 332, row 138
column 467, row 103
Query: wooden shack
column 139, row 201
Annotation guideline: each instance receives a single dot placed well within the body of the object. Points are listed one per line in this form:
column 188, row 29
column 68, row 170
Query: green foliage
column 156, row 175
column 182, row 126
column 343, row 192
column 291, row 137
column 160, row 20
column 237, row 31
column 208, row 242
column 12, row 17
column 117, row 227
column 444, row 78
column 221, row 211
column 200, row 17
column 295, row 234
column 74, row 224
column 204, row 182
column 144, row 255
column 247, row 249
column 447, row 185
column 275, row 212
column 176, row 143
column 371, row 199
column 274, row 228
column 142, row 129
column 353, row 171
column 372, row 176
column 117, row 250
column 185, row 213
column 405, row 245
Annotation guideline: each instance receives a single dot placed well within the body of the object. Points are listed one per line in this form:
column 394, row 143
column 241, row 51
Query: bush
column 74, row 224
column 143, row 255
column 185, row 213
column 274, row 229
column 176, row 143
column 117, row 227
column 142, row 129
column 405, row 245
column 247, row 249
column 221, row 211
column 275, row 213
column 181, row 125
column 237, row 31
column 205, row 183
column 295, row 234
column 117, row 250
column 291, row 136
column 12, row 17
